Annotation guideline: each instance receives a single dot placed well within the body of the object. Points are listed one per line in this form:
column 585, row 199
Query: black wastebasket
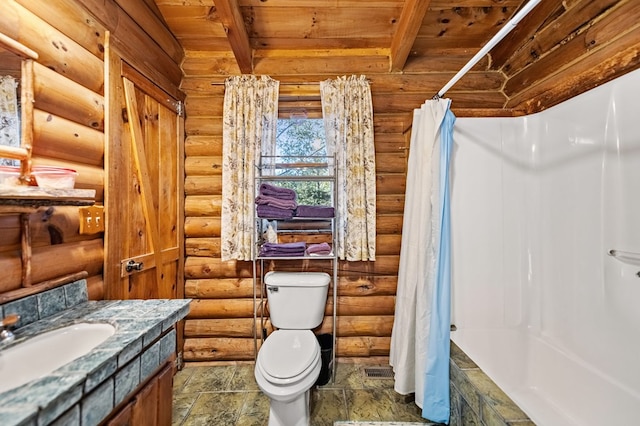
column 326, row 353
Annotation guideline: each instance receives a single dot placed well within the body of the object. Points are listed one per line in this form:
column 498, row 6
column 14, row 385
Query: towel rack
column 625, row 256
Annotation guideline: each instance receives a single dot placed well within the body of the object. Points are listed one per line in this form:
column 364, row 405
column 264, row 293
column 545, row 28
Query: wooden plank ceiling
column 411, row 47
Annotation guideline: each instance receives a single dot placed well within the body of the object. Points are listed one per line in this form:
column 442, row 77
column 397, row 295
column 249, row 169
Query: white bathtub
column 551, row 386
column 540, row 306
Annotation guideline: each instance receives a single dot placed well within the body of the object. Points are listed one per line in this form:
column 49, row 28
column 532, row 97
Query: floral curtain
column 9, row 115
column 249, row 124
column 348, row 118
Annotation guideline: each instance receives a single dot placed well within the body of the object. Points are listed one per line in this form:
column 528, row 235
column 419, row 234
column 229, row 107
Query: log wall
column 68, row 119
column 220, row 324
column 577, row 45
column 561, row 50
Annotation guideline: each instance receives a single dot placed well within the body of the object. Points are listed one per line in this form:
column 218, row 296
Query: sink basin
column 46, row 352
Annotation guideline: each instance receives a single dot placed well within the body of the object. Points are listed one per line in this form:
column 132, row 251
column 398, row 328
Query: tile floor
column 228, row 396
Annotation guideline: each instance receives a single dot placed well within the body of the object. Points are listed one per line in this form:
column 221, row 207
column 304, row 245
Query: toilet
column 289, row 362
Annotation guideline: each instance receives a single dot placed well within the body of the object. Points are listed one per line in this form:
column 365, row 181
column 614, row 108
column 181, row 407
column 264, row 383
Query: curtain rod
column 303, row 83
column 487, row 47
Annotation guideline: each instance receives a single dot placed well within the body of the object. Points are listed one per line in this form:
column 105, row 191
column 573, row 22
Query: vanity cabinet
column 151, row 405
column 126, row 379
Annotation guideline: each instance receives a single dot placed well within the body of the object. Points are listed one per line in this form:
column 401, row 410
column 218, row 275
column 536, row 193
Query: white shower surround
column 539, row 305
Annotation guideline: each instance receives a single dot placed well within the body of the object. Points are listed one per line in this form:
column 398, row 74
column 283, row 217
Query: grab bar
column 626, row 256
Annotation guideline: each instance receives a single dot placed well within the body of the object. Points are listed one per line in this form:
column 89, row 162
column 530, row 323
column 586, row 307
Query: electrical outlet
column 91, row 219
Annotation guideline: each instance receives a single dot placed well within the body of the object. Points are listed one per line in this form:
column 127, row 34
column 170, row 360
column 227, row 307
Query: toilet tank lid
column 297, row 279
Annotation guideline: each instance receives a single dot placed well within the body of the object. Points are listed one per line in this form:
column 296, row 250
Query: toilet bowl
column 287, row 366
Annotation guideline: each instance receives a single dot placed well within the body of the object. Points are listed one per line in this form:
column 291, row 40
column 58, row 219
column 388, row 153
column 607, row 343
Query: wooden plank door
column 145, row 178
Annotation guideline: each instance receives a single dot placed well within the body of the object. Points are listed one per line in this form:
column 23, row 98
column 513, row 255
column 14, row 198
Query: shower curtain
column 420, row 335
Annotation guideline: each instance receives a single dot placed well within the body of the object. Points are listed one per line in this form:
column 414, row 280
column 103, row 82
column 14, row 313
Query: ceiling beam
column 411, row 18
column 229, row 13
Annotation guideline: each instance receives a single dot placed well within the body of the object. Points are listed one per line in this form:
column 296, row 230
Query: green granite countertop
column 138, row 326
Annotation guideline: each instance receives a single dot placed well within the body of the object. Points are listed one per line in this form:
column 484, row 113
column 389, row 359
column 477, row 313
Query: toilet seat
column 286, row 356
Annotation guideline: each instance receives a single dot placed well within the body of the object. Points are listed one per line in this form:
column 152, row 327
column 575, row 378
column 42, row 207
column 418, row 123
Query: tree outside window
column 303, row 140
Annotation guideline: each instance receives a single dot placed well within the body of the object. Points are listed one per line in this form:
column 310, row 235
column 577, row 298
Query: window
column 299, row 139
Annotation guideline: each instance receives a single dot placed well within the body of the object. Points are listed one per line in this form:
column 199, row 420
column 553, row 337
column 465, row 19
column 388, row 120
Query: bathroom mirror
column 16, row 93
column 10, row 74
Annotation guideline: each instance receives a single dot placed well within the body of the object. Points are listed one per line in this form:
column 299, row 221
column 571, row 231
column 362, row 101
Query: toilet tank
column 296, row 299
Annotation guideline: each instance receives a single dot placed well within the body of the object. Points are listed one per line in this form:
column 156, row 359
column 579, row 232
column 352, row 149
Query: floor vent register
column 378, row 372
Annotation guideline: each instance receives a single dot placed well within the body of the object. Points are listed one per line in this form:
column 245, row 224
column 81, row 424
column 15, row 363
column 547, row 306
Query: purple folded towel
column 321, row 249
column 283, row 249
column 301, row 245
column 276, row 202
column 314, row 211
column 270, row 212
column 277, row 191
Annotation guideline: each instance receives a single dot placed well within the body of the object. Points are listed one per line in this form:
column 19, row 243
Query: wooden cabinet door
column 123, row 418
column 144, row 192
column 165, row 396
column 151, row 406
column 145, row 406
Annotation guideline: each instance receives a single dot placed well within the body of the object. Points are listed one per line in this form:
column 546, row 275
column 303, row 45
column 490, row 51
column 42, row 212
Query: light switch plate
column 91, row 219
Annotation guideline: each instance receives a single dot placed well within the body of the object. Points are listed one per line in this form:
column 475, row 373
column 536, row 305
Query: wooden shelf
column 15, row 198
column 305, row 226
column 24, row 200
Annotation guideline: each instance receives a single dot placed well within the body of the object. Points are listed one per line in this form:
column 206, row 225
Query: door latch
column 134, row 266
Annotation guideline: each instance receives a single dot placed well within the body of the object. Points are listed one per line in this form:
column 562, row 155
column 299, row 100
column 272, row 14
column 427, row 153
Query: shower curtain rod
column 487, row 47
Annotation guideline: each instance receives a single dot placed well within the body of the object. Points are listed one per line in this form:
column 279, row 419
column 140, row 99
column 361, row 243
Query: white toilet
column 289, row 361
